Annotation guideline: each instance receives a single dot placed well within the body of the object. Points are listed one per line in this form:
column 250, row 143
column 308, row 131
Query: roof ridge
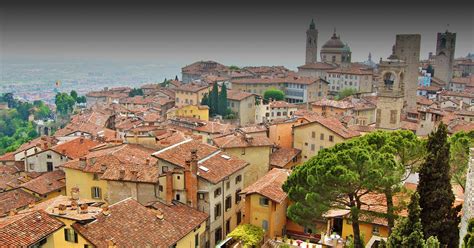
column 171, row 147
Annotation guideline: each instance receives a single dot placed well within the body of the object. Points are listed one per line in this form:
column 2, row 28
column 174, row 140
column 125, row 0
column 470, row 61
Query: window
column 196, row 240
column 375, row 229
column 217, row 211
column 312, row 147
column 70, row 235
column 239, row 217
column 331, row 138
column 217, row 192
column 237, row 196
column 264, row 201
column 227, row 185
column 227, row 226
column 228, row 203
column 96, row 193
column 243, row 151
column 321, row 147
column 265, row 225
column 238, row 179
column 95, row 177
column 164, row 169
column 160, row 188
column 49, row 166
column 48, row 156
column 393, row 116
column 321, row 136
column 313, row 134
column 177, row 197
column 218, row 235
column 306, row 144
column 86, row 246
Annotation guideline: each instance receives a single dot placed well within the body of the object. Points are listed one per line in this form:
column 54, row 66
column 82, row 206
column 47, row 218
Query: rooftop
column 15, row 199
column 46, row 183
column 270, row 185
column 237, row 139
column 283, row 156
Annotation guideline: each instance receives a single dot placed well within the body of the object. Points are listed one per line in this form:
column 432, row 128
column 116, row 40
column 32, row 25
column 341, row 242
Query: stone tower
column 445, row 47
column 311, row 44
column 390, row 92
column 468, row 205
column 407, row 48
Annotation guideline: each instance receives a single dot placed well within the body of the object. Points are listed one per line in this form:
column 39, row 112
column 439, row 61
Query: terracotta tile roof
column 463, row 80
column 75, row 148
column 283, row 156
column 463, row 126
column 131, row 224
column 333, row 103
column 210, row 127
column 354, row 69
column 193, row 87
column 423, row 100
column 46, row 183
column 237, row 139
column 267, row 70
column 429, row 88
column 18, row 167
column 334, row 125
column 257, row 128
column 318, row 66
column 23, row 230
column 15, row 199
column 169, row 138
column 270, row 185
column 178, row 153
column 281, row 104
column 219, row 166
column 204, row 67
column 458, row 94
column 277, row 80
column 151, row 117
column 237, row 95
column 8, row 157
column 38, row 142
column 360, row 128
column 143, row 173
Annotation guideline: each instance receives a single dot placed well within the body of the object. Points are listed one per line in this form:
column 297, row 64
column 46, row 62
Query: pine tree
column 409, row 232
column 223, row 101
column 468, row 240
column 438, row 216
column 176, row 78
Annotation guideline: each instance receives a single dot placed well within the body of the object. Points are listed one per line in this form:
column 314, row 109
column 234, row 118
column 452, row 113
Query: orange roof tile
column 75, row 148
column 237, row 95
column 15, row 199
column 46, row 183
column 236, row 139
column 334, row 125
column 270, row 185
column 283, row 156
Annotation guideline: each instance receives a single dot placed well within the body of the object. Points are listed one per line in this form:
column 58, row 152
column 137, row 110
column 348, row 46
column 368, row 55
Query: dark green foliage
column 73, row 94
column 234, row 68
column 8, row 98
column 438, row 216
column 176, row 78
column 430, row 70
column 409, row 231
column 205, row 99
column 214, row 100
column 222, row 101
column 41, row 110
column 432, row 242
column 64, row 103
column 135, row 92
column 81, row 99
column 468, row 239
column 274, row 94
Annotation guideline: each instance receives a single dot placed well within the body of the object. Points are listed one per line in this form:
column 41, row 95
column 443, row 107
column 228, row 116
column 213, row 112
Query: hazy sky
column 242, row 32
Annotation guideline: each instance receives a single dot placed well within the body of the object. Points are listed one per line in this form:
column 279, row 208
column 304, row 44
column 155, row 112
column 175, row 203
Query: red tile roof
column 270, row 185
column 178, row 153
column 193, row 87
column 238, row 95
column 131, row 224
column 277, row 80
column 318, row 66
column 8, row 157
column 46, row 183
column 39, row 142
column 237, row 139
column 23, row 230
column 281, row 104
column 75, row 148
column 334, row 125
column 15, row 199
column 281, row 157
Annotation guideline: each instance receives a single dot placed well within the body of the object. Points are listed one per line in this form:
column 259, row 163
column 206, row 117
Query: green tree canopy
column 135, row 92
column 338, row 177
column 274, row 94
column 73, row 94
column 248, row 234
column 64, row 103
column 222, row 101
column 459, row 156
column 468, row 239
column 214, row 100
column 345, row 93
column 438, row 216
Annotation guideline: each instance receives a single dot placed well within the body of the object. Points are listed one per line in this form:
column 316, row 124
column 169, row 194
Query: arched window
column 388, row 79
column 443, row 43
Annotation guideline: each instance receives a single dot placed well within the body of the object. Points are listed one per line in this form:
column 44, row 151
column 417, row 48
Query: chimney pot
column 84, row 208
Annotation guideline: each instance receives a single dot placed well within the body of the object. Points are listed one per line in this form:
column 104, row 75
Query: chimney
column 190, row 179
column 147, row 161
column 74, row 204
column 169, row 187
column 81, row 140
column 134, row 175
column 13, row 212
column 84, row 208
column 122, row 174
column 159, row 215
column 105, row 210
column 75, row 194
column 82, row 162
column 111, row 243
column 62, row 209
column 103, row 168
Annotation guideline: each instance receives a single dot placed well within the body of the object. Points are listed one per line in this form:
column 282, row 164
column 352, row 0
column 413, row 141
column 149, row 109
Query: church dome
column 334, row 42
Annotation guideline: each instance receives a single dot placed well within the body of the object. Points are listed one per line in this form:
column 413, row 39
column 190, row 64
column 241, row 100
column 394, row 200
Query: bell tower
column 311, row 44
column 391, row 89
column 445, row 47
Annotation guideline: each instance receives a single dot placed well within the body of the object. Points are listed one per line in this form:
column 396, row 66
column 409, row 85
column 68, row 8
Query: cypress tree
column 205, row 100
column 223, row 101
column 438, row 216
column 409, row 232
column 214, row 99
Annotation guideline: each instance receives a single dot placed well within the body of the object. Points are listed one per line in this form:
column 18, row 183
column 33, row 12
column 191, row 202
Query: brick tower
column 407, row 48
column 311, row 44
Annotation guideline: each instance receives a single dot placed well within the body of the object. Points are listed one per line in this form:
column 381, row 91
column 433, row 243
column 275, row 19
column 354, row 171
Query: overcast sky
column 240, row 33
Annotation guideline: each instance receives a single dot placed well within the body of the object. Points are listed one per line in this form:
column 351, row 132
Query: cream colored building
column 191, row 93
column 243, row 105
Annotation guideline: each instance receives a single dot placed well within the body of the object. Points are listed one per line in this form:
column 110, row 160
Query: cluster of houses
column 158, row 170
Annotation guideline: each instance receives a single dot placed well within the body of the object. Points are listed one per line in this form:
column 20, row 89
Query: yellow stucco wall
column 258, row 159
column 194, row 111
column 192, row 97
column 58, row 237
column 274, row 214
column 188, row 240
column 84, row 181
column 303, row 139
column 365, row 230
